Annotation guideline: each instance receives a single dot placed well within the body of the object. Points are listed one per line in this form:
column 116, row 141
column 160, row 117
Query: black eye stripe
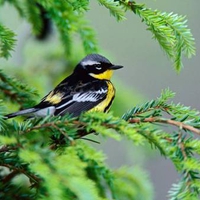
column 98, row 68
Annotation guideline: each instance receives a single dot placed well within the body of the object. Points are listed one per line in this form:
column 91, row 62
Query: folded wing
column 79, row 100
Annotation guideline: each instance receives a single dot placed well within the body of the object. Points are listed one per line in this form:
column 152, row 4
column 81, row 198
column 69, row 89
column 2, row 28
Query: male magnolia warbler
column 88, row 88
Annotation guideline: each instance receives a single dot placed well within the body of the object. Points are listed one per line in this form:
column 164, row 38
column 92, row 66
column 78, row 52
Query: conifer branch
column 76, row 170
column 7, row 148
column 10, row 176
column 114, row 7
column 139, row 125
column 16, row 170
column 16, row 91
column 7, row 41
column 169, row 29
column 178, row 124
column 188, row 186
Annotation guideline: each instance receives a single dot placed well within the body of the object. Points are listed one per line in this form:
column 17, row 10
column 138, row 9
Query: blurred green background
column 147, row 71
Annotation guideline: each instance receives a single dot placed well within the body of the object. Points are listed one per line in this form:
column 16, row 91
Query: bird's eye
column 98, row 67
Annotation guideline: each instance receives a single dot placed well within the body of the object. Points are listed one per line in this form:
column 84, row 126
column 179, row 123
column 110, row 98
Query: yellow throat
column 105, row 75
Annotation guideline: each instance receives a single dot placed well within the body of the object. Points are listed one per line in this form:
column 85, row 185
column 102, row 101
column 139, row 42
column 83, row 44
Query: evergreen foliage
column 169, row 29
column 7, row 41
column 48, row 158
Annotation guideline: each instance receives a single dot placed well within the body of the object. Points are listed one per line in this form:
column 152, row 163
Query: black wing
column 79, row 99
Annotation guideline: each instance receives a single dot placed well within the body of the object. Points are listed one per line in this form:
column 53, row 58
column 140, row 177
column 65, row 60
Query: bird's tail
column 21, row 112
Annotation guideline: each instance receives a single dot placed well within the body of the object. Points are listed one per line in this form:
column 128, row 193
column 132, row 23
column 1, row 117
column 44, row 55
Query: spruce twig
column 180, row 125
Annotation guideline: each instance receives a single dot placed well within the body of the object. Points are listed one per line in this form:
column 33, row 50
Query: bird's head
column 96, row 66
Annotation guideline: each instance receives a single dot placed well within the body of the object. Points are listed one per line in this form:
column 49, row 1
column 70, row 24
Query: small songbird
column 88, row 88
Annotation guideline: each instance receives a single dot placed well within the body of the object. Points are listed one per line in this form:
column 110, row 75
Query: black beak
column 114, row 67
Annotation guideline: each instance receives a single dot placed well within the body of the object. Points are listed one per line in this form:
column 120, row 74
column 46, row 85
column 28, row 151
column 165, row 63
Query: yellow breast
column 104, row 106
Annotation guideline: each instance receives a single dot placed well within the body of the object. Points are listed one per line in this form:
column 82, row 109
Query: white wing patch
column 84, row 97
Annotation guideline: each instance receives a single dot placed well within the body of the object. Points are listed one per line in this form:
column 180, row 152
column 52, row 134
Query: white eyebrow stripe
column 90, row 62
